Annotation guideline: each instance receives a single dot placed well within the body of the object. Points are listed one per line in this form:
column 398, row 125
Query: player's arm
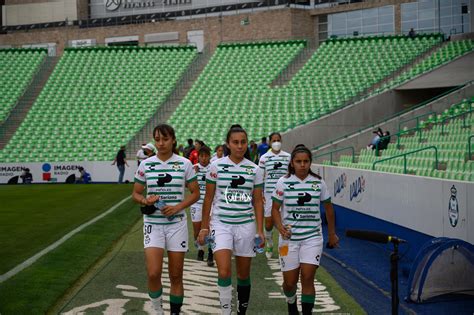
column 190, row 199
column 206, row 211
column 333, row 238
column 137, row 195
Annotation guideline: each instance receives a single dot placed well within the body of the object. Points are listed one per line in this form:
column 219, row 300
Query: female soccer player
column 234, row 189
column 219, row 153
column 196, row 209
column 274, row 164
column 299, row 194
column 165, row 177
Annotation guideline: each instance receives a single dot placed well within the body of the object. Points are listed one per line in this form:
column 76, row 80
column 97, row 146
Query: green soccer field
column 102, row 266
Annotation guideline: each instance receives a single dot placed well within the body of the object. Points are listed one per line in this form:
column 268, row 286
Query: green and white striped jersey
column 300, row 200
column 201, row 178
column 234, row 189
column 274, row 167
column 168, row 180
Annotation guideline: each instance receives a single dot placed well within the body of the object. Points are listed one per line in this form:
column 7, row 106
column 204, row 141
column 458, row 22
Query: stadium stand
column 238, row 77
column 443, row 55
column 450, row 132
column 96, row 100
column 17, row 68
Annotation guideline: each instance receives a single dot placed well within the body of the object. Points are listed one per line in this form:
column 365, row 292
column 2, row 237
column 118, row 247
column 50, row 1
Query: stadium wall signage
column 49, row 172
column 431, row 206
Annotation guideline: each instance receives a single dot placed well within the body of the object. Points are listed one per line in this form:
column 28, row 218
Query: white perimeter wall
column 418, row 203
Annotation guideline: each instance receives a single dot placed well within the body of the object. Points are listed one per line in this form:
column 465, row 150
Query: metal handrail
column 445, row 119
column 405, row 157
column 469, row 143
column 394, row 115
column 337, row 150
column 417, row 118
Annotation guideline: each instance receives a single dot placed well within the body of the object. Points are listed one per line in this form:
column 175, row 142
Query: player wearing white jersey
column 201, row 168
column 218, row 153
column 165, row 177
column 234, row 190
column 295, row 213
column 274, row 163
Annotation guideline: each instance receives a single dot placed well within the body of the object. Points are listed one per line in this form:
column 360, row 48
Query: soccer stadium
column 379, row 92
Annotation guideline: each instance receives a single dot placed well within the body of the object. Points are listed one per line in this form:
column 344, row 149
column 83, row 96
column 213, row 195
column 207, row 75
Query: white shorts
column 267, row 207
column 239, row 238
column 196, row 213
column 301, row 252
column 172, row 237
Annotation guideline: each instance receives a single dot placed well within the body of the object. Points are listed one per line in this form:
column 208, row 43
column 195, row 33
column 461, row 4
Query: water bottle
column 259, row 244
column 160, row 204
column 283, row 246
column 209, row 239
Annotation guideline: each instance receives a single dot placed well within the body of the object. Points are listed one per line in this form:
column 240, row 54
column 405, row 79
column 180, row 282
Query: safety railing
column 417, row 118
column 404, row 155
column 335, row 151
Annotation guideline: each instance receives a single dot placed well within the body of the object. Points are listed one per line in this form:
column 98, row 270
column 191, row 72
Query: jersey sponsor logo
column 163, row 179
column 237, row 181
column 277, row 165
column 183, row 244
column 291, row 186
column 279, row 192
column 236, row 196
column 301, row 216
column 453, row 207
column 141, row 173
column 303, row 198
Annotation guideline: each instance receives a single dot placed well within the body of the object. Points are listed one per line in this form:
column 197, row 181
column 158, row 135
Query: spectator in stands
column 219, row 153
column 26, row 176
column 378, row 134
column 412, row 33
column 253, row 152
column 384, row 141
column 189, row 148
column 84, row 177
column 193, row 157
column 263, row 148
column 120, row 160
column 141, row 154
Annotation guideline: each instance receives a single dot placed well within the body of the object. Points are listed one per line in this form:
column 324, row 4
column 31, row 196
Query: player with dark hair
column 165, row 177
column 234, row 190
column 295, row 213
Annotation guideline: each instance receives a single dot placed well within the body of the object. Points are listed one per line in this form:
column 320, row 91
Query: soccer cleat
column 210, row 259
column 269, row 252
column 200, row 256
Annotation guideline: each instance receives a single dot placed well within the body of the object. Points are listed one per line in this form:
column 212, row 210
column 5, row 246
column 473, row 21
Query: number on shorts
column 147, row 229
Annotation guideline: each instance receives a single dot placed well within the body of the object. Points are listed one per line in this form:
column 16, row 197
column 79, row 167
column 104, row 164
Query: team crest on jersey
column 249, row 171
column 176, row 166
column 315, row 186
column 213, row 175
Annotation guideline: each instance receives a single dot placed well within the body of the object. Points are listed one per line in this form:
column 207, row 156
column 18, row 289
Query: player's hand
column 202, row 236
column 284, row 232
column 170, row 210
column 333, row 240
column 263, row 199
column 150, row 200
column 196, row 168
column 262, row 237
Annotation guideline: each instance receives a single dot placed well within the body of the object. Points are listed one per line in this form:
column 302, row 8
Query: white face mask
column 276, row 146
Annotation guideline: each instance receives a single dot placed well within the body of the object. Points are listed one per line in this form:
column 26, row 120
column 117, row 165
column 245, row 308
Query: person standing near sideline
column 120, row 160
column 165, row 177
column 234, row 190
column 295, row 213
column 274, row 164
column 262, row 148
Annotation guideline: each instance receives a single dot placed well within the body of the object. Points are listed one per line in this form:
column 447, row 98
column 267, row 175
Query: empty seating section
column 341, row 69
column 96, row 100
column 17, row 68
column 448, row 132
column 445, row 54
column 235, row 86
